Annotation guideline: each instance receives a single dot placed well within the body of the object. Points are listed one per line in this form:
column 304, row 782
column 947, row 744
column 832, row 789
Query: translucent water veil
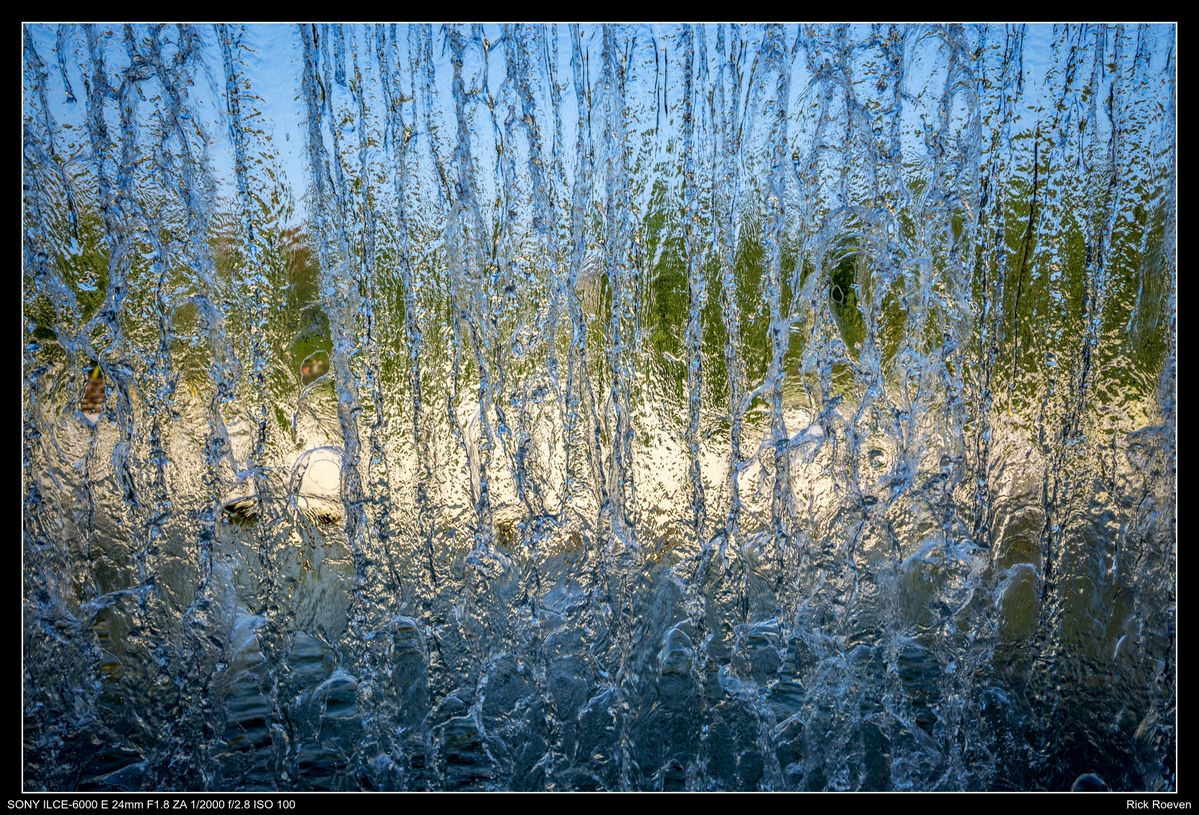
column 599, row 407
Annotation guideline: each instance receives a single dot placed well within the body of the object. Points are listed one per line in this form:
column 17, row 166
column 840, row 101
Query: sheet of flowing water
column 614, row 407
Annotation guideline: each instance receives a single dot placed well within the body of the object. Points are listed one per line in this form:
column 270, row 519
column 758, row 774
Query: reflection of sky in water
column 273, row 69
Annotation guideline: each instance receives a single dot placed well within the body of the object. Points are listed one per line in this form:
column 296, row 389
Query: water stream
column 622, row 407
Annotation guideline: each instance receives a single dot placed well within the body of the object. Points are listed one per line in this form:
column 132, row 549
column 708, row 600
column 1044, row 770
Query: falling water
column 599, row 407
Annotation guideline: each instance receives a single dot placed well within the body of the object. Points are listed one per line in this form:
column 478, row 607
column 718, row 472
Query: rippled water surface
column 599, row 407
